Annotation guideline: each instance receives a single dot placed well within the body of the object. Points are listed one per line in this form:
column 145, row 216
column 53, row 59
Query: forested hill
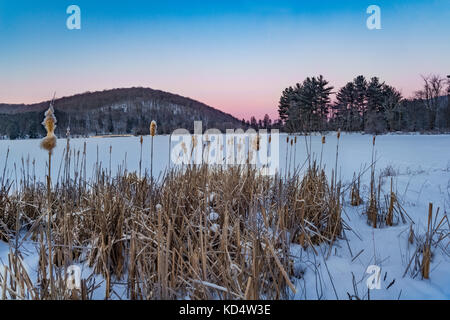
column 116, row 111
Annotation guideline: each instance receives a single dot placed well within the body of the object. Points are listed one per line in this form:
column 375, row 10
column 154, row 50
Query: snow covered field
column 418, row 164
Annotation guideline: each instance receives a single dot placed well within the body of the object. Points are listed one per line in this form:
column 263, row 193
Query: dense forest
column 117, row 111
column 367, row 105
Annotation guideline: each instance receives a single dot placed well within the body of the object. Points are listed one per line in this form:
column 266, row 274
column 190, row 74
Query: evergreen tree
column 347, row 108
column 285, row 103
column 360, row 85
column 323, row 101
column 391, row 107
column 374, row 116
column 267, row 122
column 253, row 123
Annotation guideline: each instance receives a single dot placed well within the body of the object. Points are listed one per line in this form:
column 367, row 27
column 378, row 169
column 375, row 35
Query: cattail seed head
column 295, row 140
column 142, row 139
column 323, row 139
column 153, row 128
column 270, row 138
column 49, row 142
column 292, row 142
column 339, row 134
column 287, row 139
column 256, row 143
column 374, row 138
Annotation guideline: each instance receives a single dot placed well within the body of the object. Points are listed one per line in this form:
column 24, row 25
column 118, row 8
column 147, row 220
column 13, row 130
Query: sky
column 237, row 56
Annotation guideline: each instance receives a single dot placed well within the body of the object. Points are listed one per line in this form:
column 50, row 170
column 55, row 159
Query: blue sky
column 234, row 55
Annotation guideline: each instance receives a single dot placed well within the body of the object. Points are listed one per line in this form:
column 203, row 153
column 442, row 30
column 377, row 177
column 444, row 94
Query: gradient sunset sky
column 236, row 56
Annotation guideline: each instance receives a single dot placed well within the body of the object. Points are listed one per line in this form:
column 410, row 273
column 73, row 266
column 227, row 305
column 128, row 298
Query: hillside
column 116, row 111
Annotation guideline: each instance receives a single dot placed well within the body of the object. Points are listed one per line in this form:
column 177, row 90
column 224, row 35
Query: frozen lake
column 405, row 153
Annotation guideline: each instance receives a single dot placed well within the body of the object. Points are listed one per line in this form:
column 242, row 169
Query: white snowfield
column 419, row 166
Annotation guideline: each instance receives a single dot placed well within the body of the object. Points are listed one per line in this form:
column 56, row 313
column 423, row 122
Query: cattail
column 323, row 139
column 295, row 140
column 194, row 145
column 153, row 128
column 337, row 155
column 287, row 140
column 373, row 142
column 292, row 141
column 140, row 158
column 411, row 235
column 270, row 138
column 256, row 143
column 49, row 142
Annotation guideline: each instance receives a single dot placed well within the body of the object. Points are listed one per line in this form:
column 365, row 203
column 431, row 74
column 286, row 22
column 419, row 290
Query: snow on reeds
column 165, row 239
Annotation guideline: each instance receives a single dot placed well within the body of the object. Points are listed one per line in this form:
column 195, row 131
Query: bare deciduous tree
column 432, row 89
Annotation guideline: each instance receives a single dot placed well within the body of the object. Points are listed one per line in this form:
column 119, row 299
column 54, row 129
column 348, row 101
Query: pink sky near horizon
column 236, row 99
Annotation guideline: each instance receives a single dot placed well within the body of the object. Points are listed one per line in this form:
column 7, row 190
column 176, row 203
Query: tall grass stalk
column 152, row 134
column 49, row 143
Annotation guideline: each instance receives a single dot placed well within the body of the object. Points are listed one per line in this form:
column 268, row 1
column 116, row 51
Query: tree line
column 367, row 105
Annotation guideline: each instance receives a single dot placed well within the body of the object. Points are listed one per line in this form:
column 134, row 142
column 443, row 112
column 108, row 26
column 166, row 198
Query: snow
column 213, row 216
column 421, row 166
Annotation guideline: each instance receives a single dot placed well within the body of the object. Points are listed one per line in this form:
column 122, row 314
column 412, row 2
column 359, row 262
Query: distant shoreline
column 329, row 133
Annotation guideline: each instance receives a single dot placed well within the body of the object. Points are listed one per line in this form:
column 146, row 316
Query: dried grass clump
column 356, row 199
column 379, row 215
column 386, row 210
column 197, row 232
column 315, row 210
column 8, row 214
column 435, row 238
column 373, row 216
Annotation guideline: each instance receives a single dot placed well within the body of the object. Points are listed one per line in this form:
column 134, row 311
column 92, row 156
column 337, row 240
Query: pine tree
column 267, row 122
column 392, row 107
column 323, row 101
column 374, row 122
column 285, row 103
column 347, row 108
column 360, row 85
column 253, row 123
